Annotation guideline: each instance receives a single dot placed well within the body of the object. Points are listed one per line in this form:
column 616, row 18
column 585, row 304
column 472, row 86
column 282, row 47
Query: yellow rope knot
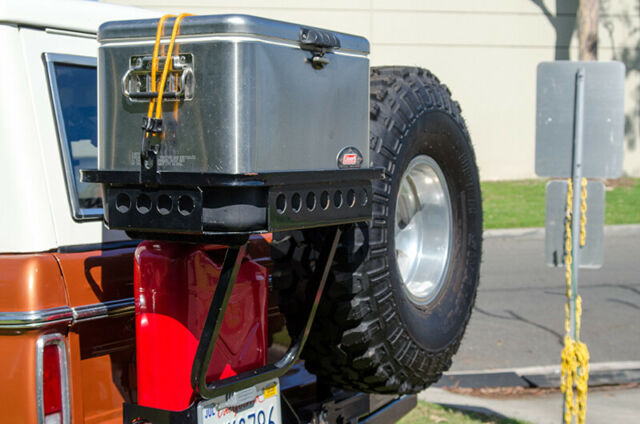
column 575, row 371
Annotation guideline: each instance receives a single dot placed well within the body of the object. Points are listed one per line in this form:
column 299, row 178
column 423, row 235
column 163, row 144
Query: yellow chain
column 583, row 213
column 568, row 257
column 575, row 355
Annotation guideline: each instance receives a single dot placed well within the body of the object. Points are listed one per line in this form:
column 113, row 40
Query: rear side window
column 73, row 84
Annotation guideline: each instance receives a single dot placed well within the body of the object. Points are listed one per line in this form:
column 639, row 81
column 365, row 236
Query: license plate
column 264, row 408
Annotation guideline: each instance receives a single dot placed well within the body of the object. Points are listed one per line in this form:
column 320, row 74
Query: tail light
column 52, row 380
column 51, row 395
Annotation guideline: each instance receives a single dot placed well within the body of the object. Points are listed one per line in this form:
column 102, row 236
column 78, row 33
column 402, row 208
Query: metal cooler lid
column 221, row 24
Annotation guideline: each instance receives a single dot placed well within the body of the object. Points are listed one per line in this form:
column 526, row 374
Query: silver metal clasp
column 180, row 84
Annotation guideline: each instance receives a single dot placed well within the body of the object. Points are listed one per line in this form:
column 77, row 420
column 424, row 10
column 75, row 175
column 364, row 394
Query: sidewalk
column 617, row 405
column 532, row 394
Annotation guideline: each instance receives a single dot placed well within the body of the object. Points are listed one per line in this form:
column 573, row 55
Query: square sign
column 592, row 253
column 603, row 118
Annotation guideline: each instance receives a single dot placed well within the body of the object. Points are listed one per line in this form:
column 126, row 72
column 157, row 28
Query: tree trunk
column 588, row 29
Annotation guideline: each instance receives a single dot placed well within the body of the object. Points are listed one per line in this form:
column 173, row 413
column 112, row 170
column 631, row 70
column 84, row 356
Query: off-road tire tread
column 358, row 341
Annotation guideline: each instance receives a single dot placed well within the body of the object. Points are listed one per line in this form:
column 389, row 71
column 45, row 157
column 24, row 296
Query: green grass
column 623, row 203
column 513, row 204
column 429, row 413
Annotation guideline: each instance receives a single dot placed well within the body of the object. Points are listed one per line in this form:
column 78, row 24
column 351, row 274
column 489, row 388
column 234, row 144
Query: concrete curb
column 529, row 233
column 538, row 233
column 546, row 369
column 600, row 374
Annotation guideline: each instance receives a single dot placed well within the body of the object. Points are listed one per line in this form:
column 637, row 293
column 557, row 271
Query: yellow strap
column 157, row 102
column 154, row 62
column 167, row 63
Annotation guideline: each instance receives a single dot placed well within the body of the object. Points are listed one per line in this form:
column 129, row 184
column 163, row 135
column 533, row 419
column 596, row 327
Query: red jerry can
column 174, row 284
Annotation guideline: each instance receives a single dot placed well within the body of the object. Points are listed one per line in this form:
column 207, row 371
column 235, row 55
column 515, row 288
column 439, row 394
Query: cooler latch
column 319, row 42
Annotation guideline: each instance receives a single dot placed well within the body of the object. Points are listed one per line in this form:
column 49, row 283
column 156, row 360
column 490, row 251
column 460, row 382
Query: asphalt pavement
column 518, row 319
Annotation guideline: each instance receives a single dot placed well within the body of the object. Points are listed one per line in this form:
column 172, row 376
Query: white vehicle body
column 36, row 212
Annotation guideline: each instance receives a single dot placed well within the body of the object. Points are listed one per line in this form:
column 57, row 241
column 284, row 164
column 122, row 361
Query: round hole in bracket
column 281, row 203
column 364, row 198
column 337, row 198
column 351, row 198
column 296, row 202
column 311, row 201
column 143, row 203
column 123, row 203
column 324, row 200
column 165, row 204
column 185, row 205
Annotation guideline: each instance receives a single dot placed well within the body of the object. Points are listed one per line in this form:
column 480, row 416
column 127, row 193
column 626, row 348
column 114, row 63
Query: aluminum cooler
column 264, row 127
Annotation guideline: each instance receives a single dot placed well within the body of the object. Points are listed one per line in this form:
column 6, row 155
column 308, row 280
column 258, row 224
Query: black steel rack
column 187, row 205
column 226, row 209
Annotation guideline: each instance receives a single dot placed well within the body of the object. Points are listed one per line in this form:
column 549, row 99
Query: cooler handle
column 140, row 68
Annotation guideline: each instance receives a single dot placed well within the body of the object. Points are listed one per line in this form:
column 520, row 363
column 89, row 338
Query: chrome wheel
column 423, row 229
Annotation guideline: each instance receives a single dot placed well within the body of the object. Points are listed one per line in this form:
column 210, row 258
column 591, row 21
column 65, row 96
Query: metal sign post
column 577, row 184
column 581, row 102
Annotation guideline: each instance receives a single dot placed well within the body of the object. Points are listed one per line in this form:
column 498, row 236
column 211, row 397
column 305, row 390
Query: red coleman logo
column 349, row 157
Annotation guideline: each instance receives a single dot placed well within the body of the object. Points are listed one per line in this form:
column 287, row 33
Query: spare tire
column 402, row 286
